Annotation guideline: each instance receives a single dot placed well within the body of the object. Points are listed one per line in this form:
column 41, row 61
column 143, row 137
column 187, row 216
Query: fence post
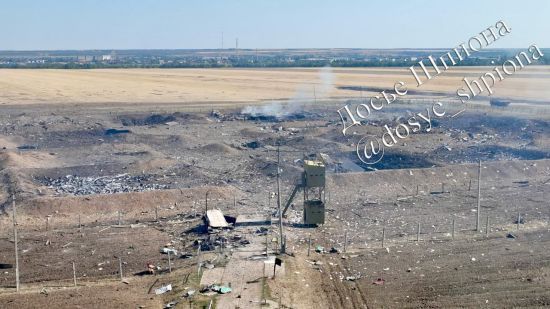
column 478, row 197
column 266, row 244
column 345, row 240
column 74, row 274
column 15, row 244
column 383, row 236
column 120, row 267
column 169, row 263
column 487, row 227
column 199, row 260
column 309, row 244
column 453, row 230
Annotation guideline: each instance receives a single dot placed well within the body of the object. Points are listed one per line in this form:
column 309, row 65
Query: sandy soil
column 238, row 85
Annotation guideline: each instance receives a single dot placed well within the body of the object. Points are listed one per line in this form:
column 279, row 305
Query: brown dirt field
column 95, row 252
column 469, row 273
column 104, row 293
column 33, row 159
column 100, row 295
column 204, row 152
column 236, row 85
column 134, row 207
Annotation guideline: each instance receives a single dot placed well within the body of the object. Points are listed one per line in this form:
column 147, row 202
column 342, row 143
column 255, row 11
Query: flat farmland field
column 135, row 86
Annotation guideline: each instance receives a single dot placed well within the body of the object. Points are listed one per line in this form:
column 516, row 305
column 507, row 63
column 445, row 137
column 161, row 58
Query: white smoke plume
column 304, row 93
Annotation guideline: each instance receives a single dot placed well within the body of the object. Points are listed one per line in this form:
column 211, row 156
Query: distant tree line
column 250, row 61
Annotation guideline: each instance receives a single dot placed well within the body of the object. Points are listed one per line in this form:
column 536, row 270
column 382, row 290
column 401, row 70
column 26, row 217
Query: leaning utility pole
column 15, row 242
column 478, row 196
column 282, row 243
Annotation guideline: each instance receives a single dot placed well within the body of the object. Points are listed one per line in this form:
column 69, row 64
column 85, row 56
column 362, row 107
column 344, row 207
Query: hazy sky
column 155, row 24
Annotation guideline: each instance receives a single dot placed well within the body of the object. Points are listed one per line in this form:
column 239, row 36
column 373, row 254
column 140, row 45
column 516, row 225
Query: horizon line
column 253, row 49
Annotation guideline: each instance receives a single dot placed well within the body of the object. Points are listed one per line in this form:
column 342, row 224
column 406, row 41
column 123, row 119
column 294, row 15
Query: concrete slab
column 252, row 220
column 216, row 219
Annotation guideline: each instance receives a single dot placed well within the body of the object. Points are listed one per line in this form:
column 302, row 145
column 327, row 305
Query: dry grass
column 234, row 85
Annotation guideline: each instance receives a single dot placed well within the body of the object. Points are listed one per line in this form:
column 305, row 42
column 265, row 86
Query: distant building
column 40, row 61
column 85, row 58
column 99, row 58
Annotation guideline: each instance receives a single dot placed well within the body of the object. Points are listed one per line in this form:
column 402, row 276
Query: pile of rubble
column 76, row 185
column 221, row 242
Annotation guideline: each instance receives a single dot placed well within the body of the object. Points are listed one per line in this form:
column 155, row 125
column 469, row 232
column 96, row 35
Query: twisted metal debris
column 76, row 185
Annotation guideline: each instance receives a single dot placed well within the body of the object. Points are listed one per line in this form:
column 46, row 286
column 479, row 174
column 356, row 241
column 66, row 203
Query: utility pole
column 15, row 244
column 478, row 197
column 282, row 244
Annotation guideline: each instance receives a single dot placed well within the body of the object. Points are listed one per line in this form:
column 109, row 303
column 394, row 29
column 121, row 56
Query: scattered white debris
column 163, row 289
column 169, row 250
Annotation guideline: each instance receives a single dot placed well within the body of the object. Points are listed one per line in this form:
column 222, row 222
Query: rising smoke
column 304, row 93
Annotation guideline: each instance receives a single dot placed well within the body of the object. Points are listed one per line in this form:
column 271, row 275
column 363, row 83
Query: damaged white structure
column 216, row 219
